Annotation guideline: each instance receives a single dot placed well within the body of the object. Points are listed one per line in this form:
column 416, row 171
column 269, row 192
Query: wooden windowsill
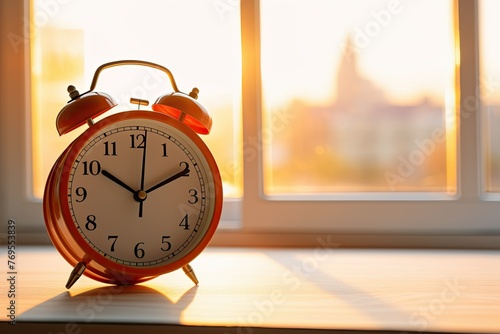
column 253, row 290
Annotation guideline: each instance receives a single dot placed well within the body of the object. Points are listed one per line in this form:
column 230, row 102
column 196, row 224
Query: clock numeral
column 194, row 196
column 114, row 241
column 184, row 222
column 137, row 141
column 90, row 225
column 164, row 146
column 93, row 167
column 166, row 242
column 139, row 252
column 186, row 166
column 110, row 148
column 81, row 192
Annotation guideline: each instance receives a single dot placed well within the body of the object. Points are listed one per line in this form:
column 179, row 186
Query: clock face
column 141, row 192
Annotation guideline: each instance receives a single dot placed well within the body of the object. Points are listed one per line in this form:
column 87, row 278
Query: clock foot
column 188, row 270
column 75, row 274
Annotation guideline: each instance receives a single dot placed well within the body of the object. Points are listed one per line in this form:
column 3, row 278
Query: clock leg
column 188, row 270
column 75, row 274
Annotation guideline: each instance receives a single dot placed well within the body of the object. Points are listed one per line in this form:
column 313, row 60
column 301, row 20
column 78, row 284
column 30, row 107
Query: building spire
column 348, row 77
column 355, row 92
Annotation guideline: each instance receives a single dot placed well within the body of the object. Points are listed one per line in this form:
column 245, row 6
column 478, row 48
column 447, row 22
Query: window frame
column 16, row 203
column 453, row 217
column 264, row 221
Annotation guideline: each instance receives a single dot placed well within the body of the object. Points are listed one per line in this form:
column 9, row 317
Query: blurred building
column 351, row 143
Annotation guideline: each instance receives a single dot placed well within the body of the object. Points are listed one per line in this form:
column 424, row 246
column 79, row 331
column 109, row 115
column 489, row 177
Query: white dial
column 140, row 192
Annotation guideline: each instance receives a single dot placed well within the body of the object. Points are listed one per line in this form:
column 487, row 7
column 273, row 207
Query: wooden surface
column 268, row 291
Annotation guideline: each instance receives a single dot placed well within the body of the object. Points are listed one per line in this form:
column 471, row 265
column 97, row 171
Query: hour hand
column 117, row 180
column 183, row 172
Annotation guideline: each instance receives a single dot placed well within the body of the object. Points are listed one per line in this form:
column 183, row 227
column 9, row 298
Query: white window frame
column 467, row 214
column 468, row 220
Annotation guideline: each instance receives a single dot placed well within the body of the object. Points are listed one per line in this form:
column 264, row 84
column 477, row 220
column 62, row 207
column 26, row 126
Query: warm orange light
column 375, row 98
column 75, row 39
column 186, row 109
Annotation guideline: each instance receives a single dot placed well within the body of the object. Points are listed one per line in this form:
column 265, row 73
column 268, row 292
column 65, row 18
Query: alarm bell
column 83, row 108
column 186, row 109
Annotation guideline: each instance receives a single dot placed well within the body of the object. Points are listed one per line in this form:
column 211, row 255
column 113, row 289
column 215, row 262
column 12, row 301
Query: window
column 455, row 207
column 354, row 100
column 201, row 50
column 199, row 47
column 308, row 154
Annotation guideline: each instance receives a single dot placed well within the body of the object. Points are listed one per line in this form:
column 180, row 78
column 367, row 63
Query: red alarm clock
column 137, row 194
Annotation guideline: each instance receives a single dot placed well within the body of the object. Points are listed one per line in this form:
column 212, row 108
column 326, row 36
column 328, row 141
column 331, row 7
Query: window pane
column 197, row 41
column 358, row 96
column 489, row 82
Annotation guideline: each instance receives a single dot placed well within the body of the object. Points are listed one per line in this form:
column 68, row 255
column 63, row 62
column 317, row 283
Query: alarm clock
column 136, row 195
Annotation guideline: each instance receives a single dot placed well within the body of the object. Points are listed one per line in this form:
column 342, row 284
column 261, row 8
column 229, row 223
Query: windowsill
column 249, row 290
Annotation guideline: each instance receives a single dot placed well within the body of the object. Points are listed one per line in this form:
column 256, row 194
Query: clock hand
column 183, row 172
column 141, row 195
column 143, row 168
column 117, row 180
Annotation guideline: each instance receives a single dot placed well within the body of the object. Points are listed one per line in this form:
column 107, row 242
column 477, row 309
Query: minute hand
column 183, row 172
